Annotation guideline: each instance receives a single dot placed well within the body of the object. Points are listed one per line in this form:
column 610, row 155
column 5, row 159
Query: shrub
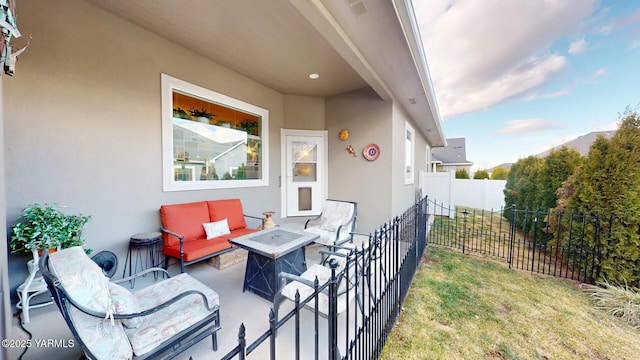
column 462, row 174
column 481, row 174
column 621, row 302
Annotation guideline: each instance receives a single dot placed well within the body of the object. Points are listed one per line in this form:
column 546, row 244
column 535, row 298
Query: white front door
column 304, row 172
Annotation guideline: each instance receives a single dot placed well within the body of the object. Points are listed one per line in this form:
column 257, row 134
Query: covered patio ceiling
column 350, row 44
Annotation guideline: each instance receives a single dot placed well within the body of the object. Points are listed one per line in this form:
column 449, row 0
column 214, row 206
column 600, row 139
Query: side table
column 148, row 244
column 30, row 288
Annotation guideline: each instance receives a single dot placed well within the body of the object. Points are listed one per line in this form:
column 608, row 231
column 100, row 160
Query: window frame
column 409, row 154
column 168, row 85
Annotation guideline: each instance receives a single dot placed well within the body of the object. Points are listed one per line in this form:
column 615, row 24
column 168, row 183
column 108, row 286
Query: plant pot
column 40, row 251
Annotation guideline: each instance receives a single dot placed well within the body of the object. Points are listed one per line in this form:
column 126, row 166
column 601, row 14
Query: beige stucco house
column 87, row 119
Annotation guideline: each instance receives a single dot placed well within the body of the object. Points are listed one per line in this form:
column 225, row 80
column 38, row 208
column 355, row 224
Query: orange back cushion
column 185, row 219
column 230, row 209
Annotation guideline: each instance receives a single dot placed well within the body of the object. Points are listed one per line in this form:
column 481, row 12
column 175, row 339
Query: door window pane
column 305, row 157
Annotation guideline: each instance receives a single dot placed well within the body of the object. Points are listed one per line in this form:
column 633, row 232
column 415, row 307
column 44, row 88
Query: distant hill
column 505, row 166
column 581, row 143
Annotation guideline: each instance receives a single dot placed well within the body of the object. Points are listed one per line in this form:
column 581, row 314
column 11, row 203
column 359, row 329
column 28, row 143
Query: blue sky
column 516, row 78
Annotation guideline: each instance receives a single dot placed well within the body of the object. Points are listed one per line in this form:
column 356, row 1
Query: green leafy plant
column 179, row 113
column 251, row 127
column 201, row 113
column 47, row 227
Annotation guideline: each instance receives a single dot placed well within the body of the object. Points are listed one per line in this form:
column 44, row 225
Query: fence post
column 464, row 229
column 273, row 322
column 333, row 312
column 242, row 342
column 512, row 234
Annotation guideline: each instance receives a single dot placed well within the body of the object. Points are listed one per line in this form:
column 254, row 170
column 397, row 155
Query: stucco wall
column 304, row 112
column 83, row 125
column 353, row 178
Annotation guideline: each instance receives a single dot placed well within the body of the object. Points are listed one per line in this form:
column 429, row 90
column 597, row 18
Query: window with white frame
column 409, row 153
column 210, row 140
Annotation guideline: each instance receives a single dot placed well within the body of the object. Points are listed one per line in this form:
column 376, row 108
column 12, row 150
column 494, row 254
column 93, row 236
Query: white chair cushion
column 171, row 320
column 125, row 302
column 85, row 283
column 105, row 339
column 323, row 274
column 336, row 213
column 328, row 237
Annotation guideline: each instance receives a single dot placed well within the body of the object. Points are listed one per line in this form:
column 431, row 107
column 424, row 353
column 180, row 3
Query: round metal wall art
column 371, row 152
column 344, row 134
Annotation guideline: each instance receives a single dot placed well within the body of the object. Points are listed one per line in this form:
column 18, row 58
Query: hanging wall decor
column 351, row 150
column 8, row 29
column 344, row 134
column 371, row 152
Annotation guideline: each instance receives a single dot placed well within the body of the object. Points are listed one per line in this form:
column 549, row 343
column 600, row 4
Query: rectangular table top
column 275, row 242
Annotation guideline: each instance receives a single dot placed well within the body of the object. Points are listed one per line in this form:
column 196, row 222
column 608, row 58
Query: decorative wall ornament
column 351, row 150
column 344, row 134
column 371, row 152
column 8, row 29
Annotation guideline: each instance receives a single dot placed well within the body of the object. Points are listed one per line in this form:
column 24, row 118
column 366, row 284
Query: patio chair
column 347, row 260
column 337, row 221
column 110, row 322
column 375, row 254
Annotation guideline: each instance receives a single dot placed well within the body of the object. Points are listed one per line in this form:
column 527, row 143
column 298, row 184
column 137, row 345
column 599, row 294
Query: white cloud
column 527, row 126
column 503, row 87
column 550, row 95
column 577, row 47
column 482, row 53
column 591, row 78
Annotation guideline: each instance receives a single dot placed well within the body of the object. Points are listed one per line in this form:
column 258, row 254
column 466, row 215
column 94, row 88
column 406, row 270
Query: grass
column 463, row 307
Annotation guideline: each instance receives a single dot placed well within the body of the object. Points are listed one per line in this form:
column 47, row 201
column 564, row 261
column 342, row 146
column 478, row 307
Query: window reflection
column 214, row 142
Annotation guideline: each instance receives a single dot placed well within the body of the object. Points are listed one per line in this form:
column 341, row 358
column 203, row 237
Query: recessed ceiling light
column 313, row 76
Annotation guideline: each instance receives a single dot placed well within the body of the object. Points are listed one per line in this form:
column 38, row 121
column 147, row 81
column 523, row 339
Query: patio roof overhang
column 351, row 44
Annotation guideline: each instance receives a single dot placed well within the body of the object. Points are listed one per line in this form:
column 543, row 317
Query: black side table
column 148, row 244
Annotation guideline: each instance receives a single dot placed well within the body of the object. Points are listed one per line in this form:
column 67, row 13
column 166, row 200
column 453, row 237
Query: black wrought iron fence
column 557, row 244
column 356, row 328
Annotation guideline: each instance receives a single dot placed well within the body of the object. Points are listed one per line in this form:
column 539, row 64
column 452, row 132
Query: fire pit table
column 270, row 252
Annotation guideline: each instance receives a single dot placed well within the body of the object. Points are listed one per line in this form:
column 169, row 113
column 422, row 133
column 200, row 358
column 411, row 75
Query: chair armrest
column 142, row 313
column 175, row 234
column 286, row 276
column 306, row 223
column 255, row 217
column 141, row 273
column 328, row 253
column 167, row 303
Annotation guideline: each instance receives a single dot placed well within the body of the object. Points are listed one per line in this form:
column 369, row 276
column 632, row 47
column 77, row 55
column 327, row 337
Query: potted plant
column 45, row 227
column 201, row 115
column 181, row 114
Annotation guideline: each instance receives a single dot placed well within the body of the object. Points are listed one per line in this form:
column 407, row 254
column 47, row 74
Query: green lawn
column 465, row 307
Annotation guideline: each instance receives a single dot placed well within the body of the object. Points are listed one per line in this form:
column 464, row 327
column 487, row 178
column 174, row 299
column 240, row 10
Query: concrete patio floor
column 236, row 308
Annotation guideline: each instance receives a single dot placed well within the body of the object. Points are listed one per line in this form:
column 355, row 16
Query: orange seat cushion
column 230, row 209
column 196, row 249
column 185, row 219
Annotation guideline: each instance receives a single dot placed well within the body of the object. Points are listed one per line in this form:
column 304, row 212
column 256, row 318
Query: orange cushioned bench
column 183, row 228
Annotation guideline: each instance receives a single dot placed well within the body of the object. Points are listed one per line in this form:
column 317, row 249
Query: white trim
column 283, row 163
column 168, row 84
column 411, row 154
